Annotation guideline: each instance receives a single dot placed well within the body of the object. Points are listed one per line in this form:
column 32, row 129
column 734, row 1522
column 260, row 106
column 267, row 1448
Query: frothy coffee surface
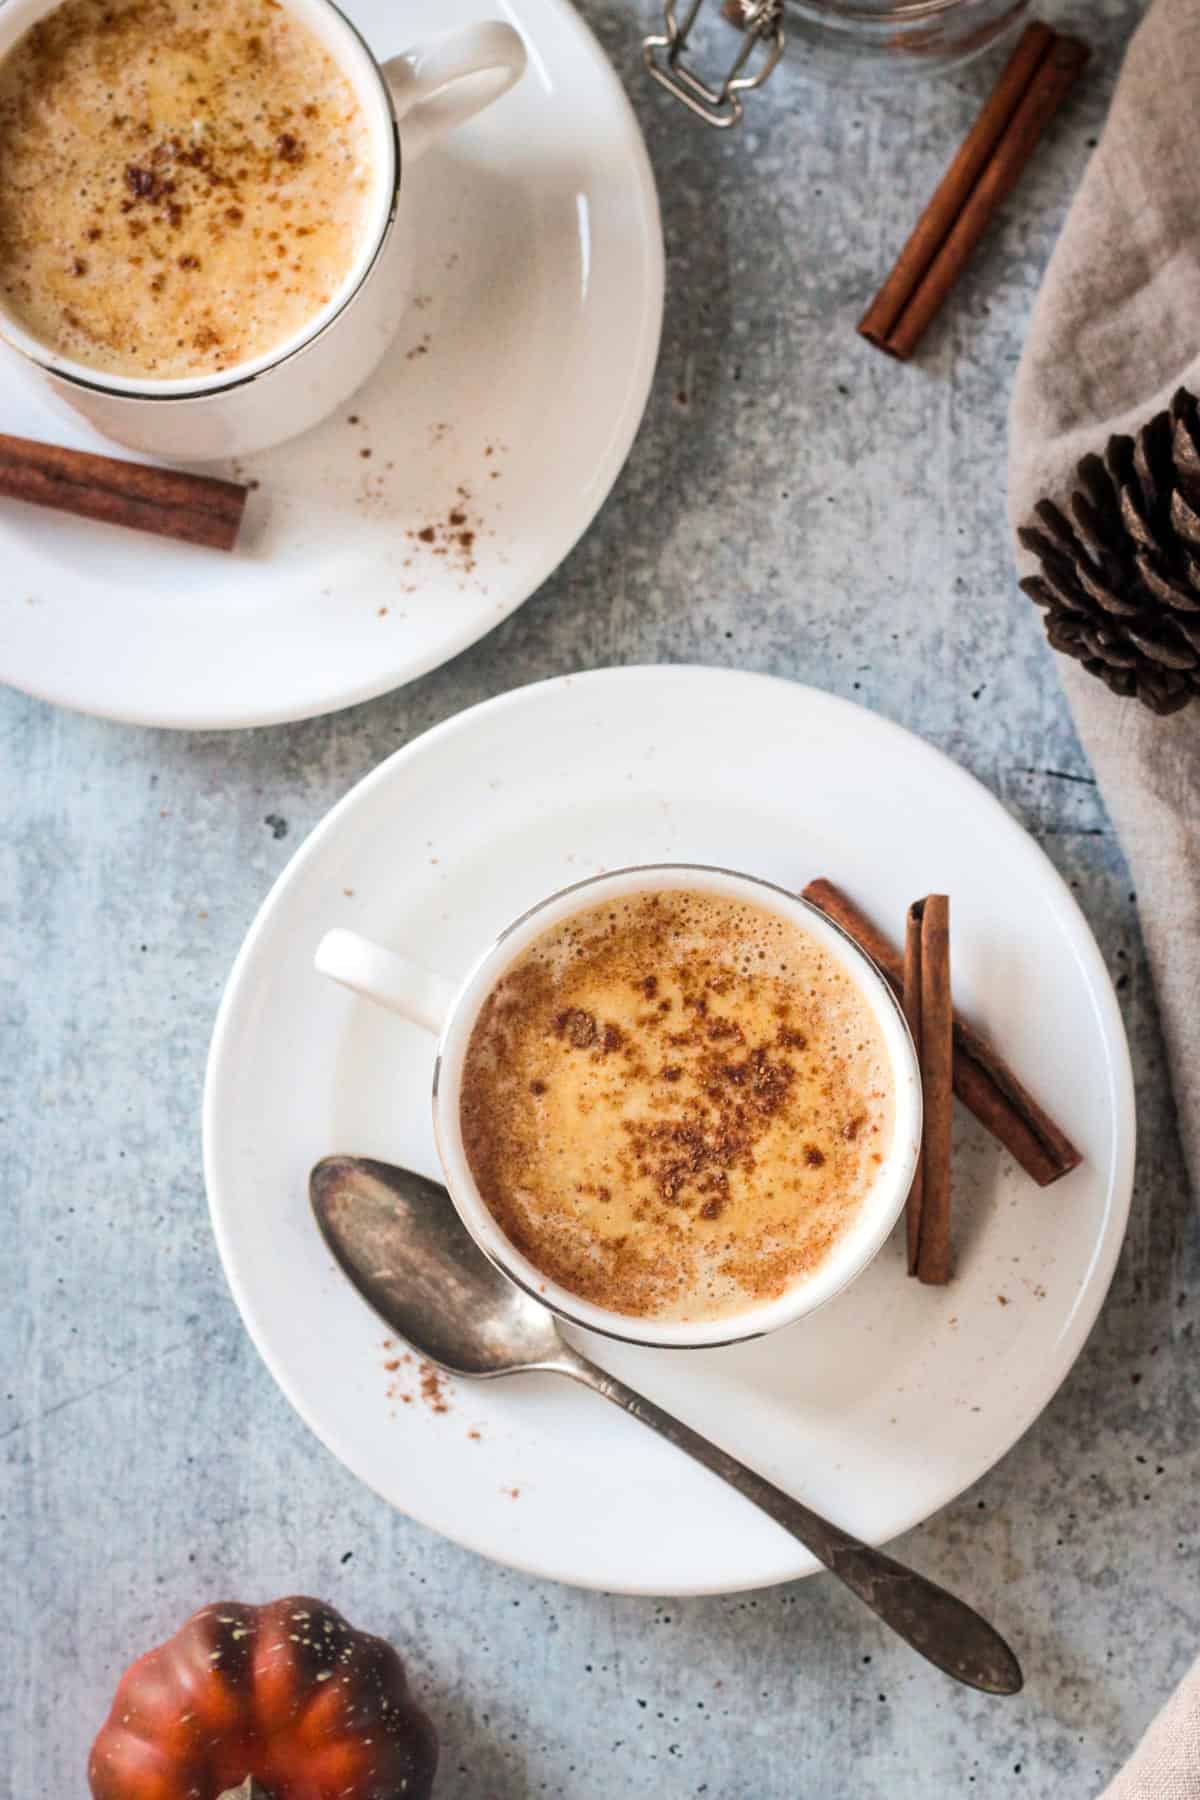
column 183, row 183
column 674, row 1104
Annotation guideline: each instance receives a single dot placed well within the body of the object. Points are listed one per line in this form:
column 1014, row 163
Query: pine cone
column 1120, row 578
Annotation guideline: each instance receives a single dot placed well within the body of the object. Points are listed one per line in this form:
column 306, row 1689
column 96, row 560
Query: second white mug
column 427, row 999
column 408, row 102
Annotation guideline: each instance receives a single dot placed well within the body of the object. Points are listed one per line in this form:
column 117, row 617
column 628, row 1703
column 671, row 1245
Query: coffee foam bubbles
column 184, row 184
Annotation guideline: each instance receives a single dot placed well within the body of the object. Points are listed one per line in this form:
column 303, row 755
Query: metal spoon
column 402, row 1244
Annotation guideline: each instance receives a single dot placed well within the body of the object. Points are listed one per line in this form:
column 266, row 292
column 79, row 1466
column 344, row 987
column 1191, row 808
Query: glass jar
column 858, row 42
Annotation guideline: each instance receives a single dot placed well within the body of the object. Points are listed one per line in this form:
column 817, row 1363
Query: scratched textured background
column 797, row 504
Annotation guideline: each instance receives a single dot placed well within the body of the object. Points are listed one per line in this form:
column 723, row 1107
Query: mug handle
column 391, row 981
column 447, row 80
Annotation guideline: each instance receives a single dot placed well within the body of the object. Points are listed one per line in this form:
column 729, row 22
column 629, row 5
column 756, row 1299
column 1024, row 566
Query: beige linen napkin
column 1166, row 1764
column 1115, row 330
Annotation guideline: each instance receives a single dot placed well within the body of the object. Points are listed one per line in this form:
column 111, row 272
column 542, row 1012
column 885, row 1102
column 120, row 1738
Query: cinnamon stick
column 911, row 1001
column 932, row 917
column 194, row 509
column 983, row 1081
column 932, row 228
column 1030, row 91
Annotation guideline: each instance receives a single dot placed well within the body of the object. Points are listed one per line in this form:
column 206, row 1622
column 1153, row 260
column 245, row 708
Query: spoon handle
column 945, row 1631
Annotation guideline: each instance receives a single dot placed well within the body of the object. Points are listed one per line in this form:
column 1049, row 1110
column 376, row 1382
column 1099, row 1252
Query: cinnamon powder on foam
column 674, row 1104
column 184, row 184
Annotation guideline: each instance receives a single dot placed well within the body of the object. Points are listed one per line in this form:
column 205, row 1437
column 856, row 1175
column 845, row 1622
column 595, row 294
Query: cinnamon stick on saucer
column 931, row 920
column 1033, row 85
column 983, row 1081
column 910, row 999
column 194, row 509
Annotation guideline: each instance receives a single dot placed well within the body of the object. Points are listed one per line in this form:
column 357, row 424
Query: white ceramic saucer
column 496, row 427
column 877, row 1410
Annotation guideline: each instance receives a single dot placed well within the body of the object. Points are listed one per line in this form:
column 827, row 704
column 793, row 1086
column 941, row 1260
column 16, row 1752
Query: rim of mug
column 201, row 387
column 859, row 1244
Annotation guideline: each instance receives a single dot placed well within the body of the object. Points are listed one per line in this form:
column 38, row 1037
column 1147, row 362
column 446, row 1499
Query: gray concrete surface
column 795, row 503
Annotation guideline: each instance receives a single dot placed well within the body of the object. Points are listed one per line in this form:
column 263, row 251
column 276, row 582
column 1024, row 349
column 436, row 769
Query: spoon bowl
column 408, row 1253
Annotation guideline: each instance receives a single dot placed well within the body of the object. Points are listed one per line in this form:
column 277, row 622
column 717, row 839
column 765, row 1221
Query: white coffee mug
column 408, row 102
column 428, row 1000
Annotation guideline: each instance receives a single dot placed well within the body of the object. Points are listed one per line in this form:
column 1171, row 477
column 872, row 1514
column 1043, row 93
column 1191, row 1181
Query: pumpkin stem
column 249, row 1790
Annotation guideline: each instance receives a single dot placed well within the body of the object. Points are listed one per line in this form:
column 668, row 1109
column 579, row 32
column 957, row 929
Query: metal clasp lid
column 762, row 29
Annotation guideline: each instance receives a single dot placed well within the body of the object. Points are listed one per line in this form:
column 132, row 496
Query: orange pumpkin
column 288, row 1694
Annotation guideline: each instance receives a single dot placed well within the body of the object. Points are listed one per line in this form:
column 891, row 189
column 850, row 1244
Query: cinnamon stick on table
column 194, row 509
column 983, row 1081
column 1034, row 83
column 931, row 918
